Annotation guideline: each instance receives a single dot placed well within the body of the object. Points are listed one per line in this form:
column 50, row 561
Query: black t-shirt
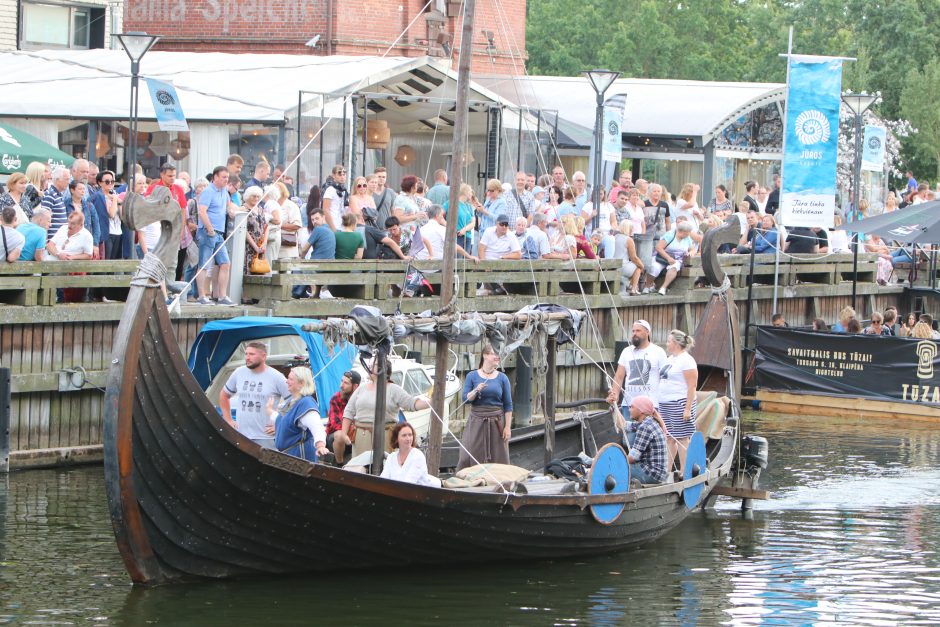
column 822, row 238
column 773, row 202
column 752, row 204
column 374, row 239
column 801, row 240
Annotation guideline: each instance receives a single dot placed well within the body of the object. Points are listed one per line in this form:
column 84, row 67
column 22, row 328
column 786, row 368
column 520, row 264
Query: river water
column 850, row 536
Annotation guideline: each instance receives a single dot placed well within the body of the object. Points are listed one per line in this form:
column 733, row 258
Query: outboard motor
column 754, row 451
column 754, row 459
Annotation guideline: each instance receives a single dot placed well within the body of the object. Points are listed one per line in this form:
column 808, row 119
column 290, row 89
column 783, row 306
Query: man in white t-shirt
column 434, row 234
column 639, row 364
column 72, row 241
column 259, row 388
column 498, row 242
column 334, row 198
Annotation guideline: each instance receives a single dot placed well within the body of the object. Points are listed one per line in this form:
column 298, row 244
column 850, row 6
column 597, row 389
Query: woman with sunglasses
column 362, row 204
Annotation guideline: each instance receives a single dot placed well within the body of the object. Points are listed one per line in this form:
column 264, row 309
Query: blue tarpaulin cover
column 218, row 340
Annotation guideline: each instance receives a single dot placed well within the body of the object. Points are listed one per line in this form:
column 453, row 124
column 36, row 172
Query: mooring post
column 551, row 350
column 5, row 419
column 380, row 366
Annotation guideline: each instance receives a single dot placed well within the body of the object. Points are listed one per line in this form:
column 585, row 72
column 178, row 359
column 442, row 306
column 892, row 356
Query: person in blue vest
column 298, row 429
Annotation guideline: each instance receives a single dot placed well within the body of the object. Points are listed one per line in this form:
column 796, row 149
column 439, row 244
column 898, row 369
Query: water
column 849, row 537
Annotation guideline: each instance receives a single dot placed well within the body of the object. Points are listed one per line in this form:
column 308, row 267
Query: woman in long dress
column 487, row 391
column 406, row 463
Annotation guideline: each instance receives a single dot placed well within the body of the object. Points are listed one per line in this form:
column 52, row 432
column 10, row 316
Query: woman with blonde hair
column 298, row 429
column 256, row 226
column 625, row 249
column 464, row 216
column 845, row 315
column 579, row 246
column 36, row 182
column 922, row 331
column 16, row 197
column 678, row 381
column 686, row 205
column 362, row 204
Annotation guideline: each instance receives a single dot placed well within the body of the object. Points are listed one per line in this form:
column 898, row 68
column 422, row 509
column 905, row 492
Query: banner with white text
column 854, row 366
column 811, row 140
column 873, row 149
column 166, row 105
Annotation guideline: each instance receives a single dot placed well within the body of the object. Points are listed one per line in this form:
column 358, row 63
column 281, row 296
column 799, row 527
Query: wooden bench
column 35, row 282
column 792, row 269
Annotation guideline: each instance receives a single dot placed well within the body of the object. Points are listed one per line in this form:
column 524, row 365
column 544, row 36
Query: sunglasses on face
column 503, row 223
column 361, row 185
column 107, row 181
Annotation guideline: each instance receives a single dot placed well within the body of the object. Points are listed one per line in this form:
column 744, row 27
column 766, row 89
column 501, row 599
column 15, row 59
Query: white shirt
column 414, row 470
column 151, row 235
column 434, row 232
column 642, row 366
column 81, row 242
column 497, row 246
column 672, row 383
column 336, row 205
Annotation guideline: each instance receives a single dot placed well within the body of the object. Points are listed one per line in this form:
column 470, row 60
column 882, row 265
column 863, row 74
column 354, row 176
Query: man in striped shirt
column 54, row 200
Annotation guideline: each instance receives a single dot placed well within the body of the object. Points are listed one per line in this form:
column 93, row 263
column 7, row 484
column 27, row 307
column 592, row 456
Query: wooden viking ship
column 192, row 498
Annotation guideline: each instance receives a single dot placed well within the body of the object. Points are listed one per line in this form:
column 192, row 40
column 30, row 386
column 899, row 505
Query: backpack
column 570, row 468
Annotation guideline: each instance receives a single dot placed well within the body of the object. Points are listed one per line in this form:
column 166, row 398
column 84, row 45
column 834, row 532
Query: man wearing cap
column 642, row 361
column 498, row 242
column 336, row 439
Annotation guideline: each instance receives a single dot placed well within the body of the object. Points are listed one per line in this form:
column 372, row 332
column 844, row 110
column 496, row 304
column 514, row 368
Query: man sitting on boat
column 258, row 388
column 646, row 436
column 359, row 414
column 336, row 438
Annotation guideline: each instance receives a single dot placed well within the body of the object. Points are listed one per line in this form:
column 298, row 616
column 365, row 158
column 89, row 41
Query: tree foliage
column 740, row 40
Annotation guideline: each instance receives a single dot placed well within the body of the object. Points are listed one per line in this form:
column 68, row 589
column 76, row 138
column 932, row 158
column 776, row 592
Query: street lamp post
column 601, row 80
column 858, row 104
column 136, row 45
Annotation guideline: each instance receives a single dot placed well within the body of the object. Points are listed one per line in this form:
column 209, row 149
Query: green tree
column 919, row 106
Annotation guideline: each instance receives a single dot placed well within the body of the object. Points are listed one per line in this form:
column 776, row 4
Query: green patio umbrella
column 18, row 149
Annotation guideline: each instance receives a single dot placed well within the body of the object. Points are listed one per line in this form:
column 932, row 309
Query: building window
column 59, row 26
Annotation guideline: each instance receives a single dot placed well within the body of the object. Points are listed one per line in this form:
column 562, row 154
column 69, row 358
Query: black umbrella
column 917, row 224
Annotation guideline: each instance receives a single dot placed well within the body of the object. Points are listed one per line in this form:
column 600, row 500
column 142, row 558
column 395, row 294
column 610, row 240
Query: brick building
column 336, row 27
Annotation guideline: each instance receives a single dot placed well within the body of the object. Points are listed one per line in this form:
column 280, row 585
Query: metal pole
column 519, row 167
column 131, row 147
column 596, row 192
column 365, row 136
column 300, row 135
column 320, row 130
column 448, row 266
column 856, row 198
column 378, row 423
column 352, row 139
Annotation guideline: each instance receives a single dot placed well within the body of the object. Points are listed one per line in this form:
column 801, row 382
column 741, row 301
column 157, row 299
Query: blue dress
column 290, row 436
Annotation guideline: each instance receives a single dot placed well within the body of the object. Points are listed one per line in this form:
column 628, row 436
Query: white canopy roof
column 674, row 108
column 94, row 84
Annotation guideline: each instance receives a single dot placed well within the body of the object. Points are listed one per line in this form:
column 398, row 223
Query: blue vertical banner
column 811, row 140
column 873, row 149
column 166, row 106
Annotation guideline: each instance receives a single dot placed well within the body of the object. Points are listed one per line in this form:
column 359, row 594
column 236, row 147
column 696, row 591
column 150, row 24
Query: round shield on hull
column 696, row 463
column 610, row 474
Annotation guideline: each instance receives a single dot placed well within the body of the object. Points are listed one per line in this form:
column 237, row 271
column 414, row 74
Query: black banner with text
column 859, row 366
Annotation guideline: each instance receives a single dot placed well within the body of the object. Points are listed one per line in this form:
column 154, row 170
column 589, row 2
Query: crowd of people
column 548, row 217
column 882, row 323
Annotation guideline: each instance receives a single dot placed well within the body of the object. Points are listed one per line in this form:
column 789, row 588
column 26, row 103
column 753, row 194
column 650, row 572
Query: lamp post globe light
column 601, row 80
column 858, row 104
column 136, row 45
